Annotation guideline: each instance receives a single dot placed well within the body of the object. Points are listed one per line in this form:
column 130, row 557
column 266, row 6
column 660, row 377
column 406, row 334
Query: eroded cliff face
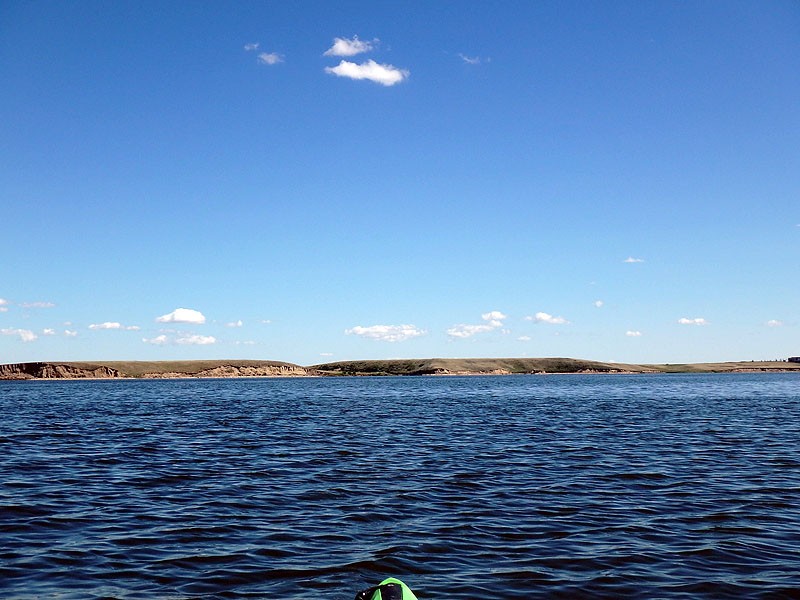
column 56, row 371
column 237, row 371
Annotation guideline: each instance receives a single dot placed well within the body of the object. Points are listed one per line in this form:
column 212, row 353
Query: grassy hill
column 428, row 366
column 444, row 366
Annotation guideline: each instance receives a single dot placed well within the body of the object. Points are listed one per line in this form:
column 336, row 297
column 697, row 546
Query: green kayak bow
column 388, row 589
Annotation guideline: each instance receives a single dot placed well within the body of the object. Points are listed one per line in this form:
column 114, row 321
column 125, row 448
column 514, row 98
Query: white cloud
column 494, row 317
column 599, row 303
column 3, row 305
column 159, row 340
column 251, row 47
column 524, row 338
column 70, row 333
column 326, row 353
column 695, row 321
column 632, row 260
column 774, row 323
column 386, row 333
column 183, row 315
column 266, row 321
column 543, row 317
column 383, row 74
column 132, row 328
column 345, row 47
column 3, row 309
column 37, row 305
column 633, row 333
column 270, row 58
column 238, row 323
column 196, row 340
column 26, row 335
column 48, row 331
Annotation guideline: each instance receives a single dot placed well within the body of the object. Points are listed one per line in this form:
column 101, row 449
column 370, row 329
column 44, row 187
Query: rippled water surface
column 624, row 486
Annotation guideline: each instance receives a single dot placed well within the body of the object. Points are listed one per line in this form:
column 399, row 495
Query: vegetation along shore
column 429, row 366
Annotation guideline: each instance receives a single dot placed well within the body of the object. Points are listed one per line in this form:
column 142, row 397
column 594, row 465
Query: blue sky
column 314, row 181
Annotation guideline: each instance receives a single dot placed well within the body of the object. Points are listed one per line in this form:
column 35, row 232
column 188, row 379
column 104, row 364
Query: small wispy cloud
column 543, row 317
column 3, row 305
column 386, row 333
column 159, row 340
column 270, row 58
column 48, row 331
column 238, row 323
column 386, row 75
column 694, row 321
column 113, row 325
column 26, row 335
column 473, row 60
column 774, row 323
column 630, row 333
column 494, row 320
column 251, row 47
column 326, row 353
column 632, row 260
column 351, row 47
column 70, row 333
column 183, row 315
column 599, row 303
column 524, row 338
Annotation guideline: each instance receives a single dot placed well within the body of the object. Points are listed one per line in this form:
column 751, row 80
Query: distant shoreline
column 216, row 369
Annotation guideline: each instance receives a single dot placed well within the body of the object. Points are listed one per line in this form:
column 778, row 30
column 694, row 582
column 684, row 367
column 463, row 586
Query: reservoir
column 484, row 487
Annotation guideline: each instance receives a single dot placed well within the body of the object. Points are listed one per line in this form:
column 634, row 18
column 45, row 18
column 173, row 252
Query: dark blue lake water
column 617, row 486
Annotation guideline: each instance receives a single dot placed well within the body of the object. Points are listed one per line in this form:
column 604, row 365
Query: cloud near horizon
column 631, row 260
column 351, row 47
column 196, row 340
column 543, row 317
column 114, row 325
column 25, row 335
column 386, row 75
column 494, row 320
column 183, row 339
column 183, row 315
column 695, row 321
column 386, row 333
column 37, row 304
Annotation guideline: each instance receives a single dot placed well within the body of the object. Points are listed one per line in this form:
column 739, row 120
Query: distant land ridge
column 169, row 369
